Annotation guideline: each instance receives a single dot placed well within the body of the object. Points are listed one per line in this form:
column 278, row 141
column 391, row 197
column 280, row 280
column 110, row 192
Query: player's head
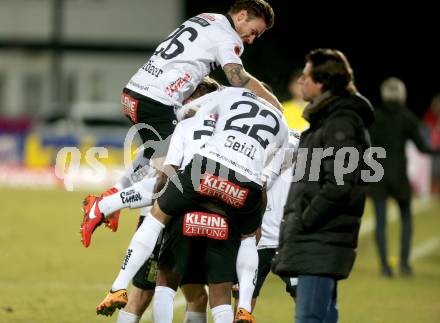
column 207, row 85
column 251, row 18
column 294, row 87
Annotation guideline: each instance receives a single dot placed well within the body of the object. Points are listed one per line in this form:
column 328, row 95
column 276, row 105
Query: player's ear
column 242, row 15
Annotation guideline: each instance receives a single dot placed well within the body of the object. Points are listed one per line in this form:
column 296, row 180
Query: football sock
column 163, row 304
column 140, row 249
column 247, row 266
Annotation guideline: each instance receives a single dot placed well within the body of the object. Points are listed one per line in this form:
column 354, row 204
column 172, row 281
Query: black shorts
column 243, row 201
column 145, row 277
column 141, row 111
column 264, row 262
column 199, row 259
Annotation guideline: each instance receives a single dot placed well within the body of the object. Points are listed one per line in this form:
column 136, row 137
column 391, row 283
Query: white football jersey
column 277, row 196
column 248, row 134
column 187, row 55
column 190, row 134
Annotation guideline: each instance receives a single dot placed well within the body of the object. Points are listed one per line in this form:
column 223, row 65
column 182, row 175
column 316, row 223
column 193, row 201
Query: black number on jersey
column 262, row 127
column 199, row 133
column 254, row 111
column 181, row 32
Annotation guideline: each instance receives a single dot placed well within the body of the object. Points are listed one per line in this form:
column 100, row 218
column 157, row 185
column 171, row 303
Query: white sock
column 125, row 317
column 136, row 196
column 247, row 266
column 222, row 314
column 195, row 317
column 140, row 249
column 163, row 304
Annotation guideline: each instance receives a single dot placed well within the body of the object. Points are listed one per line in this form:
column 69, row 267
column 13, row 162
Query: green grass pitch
column 46, row 276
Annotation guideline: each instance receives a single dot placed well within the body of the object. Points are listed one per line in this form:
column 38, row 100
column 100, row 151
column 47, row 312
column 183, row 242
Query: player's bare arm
column 237, row 76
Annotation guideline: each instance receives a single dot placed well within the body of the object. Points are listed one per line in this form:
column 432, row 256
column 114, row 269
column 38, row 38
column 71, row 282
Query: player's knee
column 196, row 297
column 159, row 215
column 198, row 304
column 138, row 301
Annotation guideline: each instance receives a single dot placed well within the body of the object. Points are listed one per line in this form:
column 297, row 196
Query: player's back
column 248, row 134
column 190, row 134
column 187, row 55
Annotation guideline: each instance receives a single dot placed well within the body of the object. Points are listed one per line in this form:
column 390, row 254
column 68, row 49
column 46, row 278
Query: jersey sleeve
column 175, row 151
column 229, row 52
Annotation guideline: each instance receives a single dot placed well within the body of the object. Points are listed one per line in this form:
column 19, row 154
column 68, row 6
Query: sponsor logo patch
column 201, row 224
column 237, row 50
column 177, row 85
column 206, row 16
column 222, row 189
column 127, row 258
column 130, row 197
column 129, row 107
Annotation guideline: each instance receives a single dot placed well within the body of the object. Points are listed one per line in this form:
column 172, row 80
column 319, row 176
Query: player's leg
column 220, row 263
column 196, row 302
column 172, row 264
column 138, row 170
column 142, row 244
column 163, row 303
column 248, row 221
column 194, row 279
column 144, row 283
column 220, row 302
column 138, row 301
column 264, row 262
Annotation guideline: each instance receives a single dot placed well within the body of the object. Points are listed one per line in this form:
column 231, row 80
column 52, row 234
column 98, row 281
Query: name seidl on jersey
column 246, row 149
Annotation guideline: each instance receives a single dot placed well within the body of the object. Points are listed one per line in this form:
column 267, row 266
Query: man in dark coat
column 394, row 126
column 322, row 216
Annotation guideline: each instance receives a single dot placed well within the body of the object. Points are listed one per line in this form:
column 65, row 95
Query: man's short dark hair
column 255, row 9
column 331, row 68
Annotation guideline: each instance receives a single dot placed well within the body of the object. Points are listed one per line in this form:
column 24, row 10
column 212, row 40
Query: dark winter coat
column 319, row 231
column 393, row 127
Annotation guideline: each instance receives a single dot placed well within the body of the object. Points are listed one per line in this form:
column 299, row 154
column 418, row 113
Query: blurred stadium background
column 63, row 64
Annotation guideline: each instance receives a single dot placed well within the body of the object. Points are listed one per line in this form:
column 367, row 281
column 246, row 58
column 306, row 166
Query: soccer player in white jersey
column 195, row 250
column 277, row 193
column 232, row 169
column 144, row 177
column 190, row 134
column 157, row 90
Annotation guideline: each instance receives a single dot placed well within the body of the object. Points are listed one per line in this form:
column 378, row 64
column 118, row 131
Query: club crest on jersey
column 129, row 107
column 237, row 50
column 224, row 190
column 201, row 224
